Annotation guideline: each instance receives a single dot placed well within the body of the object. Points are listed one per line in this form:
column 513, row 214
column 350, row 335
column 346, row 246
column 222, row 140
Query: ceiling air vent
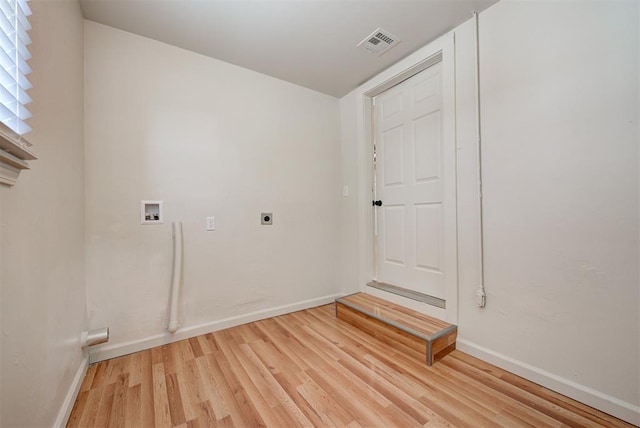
column 379, row 42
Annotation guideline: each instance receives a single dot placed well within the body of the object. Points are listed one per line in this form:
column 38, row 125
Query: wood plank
column 228, row 389
column 78, row 408
column 312, row 369
column 175, row 396
column 133, row 415
column 209, row 388
column 275, row 388
column 99, row 377
column 88, row 378
column 90, row 411
column 134, row 368
column 206, row 415
column 162, row 416
column 183, row 356
column 326, row 408
column 423, row 323
column 147, row 398
column 106, row 403
column 196, row 348
column 117, row 417
column 245, row 391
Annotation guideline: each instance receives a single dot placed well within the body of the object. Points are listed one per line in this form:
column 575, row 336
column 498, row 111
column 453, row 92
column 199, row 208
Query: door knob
column 377, row 203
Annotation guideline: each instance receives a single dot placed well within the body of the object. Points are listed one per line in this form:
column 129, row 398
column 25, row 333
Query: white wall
column 560, row 155
column 349, row 173
column 560, row 112
column 43, row 301
column 209, row 139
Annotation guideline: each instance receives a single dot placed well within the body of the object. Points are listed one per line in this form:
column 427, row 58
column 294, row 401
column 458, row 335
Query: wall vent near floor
column 378, row 42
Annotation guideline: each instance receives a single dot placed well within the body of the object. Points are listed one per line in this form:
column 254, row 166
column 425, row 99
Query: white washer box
column 151, row 212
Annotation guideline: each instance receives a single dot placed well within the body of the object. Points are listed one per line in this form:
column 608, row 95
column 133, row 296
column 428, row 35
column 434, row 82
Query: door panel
column 394, row 156
column 392, row 106
column 394, row 230
column 428, row 234
column 413, row 237
column 427, row 155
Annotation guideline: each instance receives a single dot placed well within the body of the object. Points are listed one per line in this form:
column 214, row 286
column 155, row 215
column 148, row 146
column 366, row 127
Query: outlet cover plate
column 266, row 218
column 211, row 223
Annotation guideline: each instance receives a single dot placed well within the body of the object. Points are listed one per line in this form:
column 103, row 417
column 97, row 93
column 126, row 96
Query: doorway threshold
column 409, row 294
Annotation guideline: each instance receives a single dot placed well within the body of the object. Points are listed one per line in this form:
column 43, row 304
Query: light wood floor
column 311, row 369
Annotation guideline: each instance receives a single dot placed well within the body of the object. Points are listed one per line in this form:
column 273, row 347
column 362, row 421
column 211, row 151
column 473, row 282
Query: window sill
column 15, row 151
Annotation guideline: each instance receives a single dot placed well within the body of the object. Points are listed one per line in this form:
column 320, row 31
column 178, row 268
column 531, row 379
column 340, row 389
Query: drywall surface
column 559, row 84
column 350, row 199
column 208, row 139
column 42, row 266
column 560, row 149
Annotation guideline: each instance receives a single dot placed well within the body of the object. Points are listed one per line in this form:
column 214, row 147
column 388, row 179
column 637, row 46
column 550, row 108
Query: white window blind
column 15, row 150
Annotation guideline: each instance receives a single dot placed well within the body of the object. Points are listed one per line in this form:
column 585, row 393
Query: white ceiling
column 308, row 42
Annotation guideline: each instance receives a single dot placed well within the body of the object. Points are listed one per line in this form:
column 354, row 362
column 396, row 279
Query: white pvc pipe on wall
column 177, row 276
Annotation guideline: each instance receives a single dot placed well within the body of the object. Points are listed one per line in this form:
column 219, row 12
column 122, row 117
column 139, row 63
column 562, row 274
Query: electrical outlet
column 266, row 218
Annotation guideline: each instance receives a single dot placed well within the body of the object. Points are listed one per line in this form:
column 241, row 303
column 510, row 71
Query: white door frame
column 416, row 62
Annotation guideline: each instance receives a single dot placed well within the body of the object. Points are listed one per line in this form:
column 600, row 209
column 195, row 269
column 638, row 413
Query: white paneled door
column 415, row 182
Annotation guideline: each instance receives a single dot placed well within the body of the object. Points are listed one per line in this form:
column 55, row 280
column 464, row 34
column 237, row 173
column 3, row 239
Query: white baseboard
column 105, row 352
column 72, row 394
column 603, row 402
